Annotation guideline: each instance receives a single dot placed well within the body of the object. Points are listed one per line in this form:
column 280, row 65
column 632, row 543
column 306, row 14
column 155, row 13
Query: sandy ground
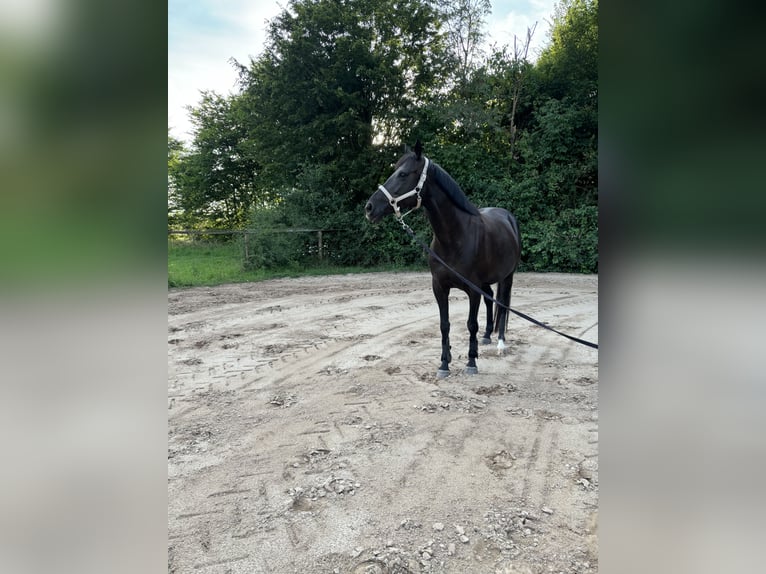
column 307, row 431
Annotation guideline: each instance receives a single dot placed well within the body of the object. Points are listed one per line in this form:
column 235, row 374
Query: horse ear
column 418, row 149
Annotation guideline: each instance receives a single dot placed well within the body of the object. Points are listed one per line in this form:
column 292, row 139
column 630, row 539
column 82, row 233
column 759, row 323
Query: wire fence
column 245, row 233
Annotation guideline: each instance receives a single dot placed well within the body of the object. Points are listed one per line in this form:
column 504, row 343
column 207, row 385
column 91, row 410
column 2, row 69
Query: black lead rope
column 430, row 251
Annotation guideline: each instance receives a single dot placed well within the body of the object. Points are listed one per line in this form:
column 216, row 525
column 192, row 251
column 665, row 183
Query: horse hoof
column 442, row 374
column 471, row 371
column 501, row 347
column 486, row 341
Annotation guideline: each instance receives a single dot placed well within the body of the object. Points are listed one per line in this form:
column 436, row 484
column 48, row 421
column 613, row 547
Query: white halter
column 394, row 201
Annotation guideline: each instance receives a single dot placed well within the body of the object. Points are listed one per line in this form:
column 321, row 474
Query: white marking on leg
column 500, row 345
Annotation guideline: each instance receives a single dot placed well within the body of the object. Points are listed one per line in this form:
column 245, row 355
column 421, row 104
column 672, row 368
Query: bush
column 268, row 245
column 568, row 243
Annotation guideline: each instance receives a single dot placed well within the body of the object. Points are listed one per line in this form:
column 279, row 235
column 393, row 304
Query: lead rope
column 477, row 289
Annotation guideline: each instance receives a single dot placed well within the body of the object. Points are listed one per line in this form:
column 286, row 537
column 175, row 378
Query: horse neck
column 448, row 222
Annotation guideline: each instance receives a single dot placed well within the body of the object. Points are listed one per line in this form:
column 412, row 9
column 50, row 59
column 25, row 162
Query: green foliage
column 319, row 119
column 566, row 243
column 333, row 74
column 202, row 263
column 559, row 154
column 269, row 246
column 215, row 181
column 464, row 24
column 175, row 163
column 569, row 65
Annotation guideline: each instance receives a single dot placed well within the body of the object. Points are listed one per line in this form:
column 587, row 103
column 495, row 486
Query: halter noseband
column 394, row 201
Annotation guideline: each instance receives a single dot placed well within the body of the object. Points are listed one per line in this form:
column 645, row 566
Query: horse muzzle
column 374, row 214
column 368, row 213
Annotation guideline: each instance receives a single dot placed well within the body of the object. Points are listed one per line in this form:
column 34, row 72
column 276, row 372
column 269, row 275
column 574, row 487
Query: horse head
column 402, row 188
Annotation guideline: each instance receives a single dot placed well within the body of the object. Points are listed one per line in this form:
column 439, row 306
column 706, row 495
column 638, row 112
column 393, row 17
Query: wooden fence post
column 319, row 237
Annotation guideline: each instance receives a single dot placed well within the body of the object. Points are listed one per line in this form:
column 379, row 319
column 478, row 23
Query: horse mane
column 452, row 189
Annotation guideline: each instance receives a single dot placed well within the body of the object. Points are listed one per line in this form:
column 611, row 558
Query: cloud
column 202, row 38
column 509, row 23
column 203, row 35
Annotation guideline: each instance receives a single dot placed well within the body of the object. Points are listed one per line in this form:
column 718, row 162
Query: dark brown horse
column 483, row 245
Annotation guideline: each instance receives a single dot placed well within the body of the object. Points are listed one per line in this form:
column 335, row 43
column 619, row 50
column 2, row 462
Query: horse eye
column 403, row 174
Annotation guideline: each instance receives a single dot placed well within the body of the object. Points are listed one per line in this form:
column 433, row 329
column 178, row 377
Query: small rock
column 460, row 530
column 546, row 510
column 426, row 556
column 438, row 526
column 464, row 539
column 451, row 549
column 588, row 469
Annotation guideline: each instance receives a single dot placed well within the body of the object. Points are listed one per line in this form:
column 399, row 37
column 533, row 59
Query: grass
column 196, row 263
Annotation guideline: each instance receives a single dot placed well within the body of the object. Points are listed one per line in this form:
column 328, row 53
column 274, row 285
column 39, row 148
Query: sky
column 203, row 36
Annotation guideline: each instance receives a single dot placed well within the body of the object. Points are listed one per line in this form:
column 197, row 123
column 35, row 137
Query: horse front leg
column 473, row 328
column 487, row 338
column 442, row 299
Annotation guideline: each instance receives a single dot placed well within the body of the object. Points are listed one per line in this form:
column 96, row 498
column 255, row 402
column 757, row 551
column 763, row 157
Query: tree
column 464, row 23
column 321, row 115
column 557, row 183
column 518, row 72
column 567, row 117
column 215, row 179
column 336, row 76
column 569, row 65
column 175, row 154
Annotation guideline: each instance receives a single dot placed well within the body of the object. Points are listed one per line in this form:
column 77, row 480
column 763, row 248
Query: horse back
column 489, row 251
column 501, row 230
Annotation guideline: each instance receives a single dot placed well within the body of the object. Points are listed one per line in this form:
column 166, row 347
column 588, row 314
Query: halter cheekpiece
column 394, row 201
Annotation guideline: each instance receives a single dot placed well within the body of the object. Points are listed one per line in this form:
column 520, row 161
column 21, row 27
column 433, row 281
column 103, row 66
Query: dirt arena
column 308, row 433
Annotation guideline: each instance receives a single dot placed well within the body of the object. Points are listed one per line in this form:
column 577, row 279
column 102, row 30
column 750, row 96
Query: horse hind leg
column 504, row 296
column 487, row 338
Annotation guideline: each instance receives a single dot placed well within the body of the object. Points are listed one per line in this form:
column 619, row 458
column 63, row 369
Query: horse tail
column 517, row 233
column 515, row 227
